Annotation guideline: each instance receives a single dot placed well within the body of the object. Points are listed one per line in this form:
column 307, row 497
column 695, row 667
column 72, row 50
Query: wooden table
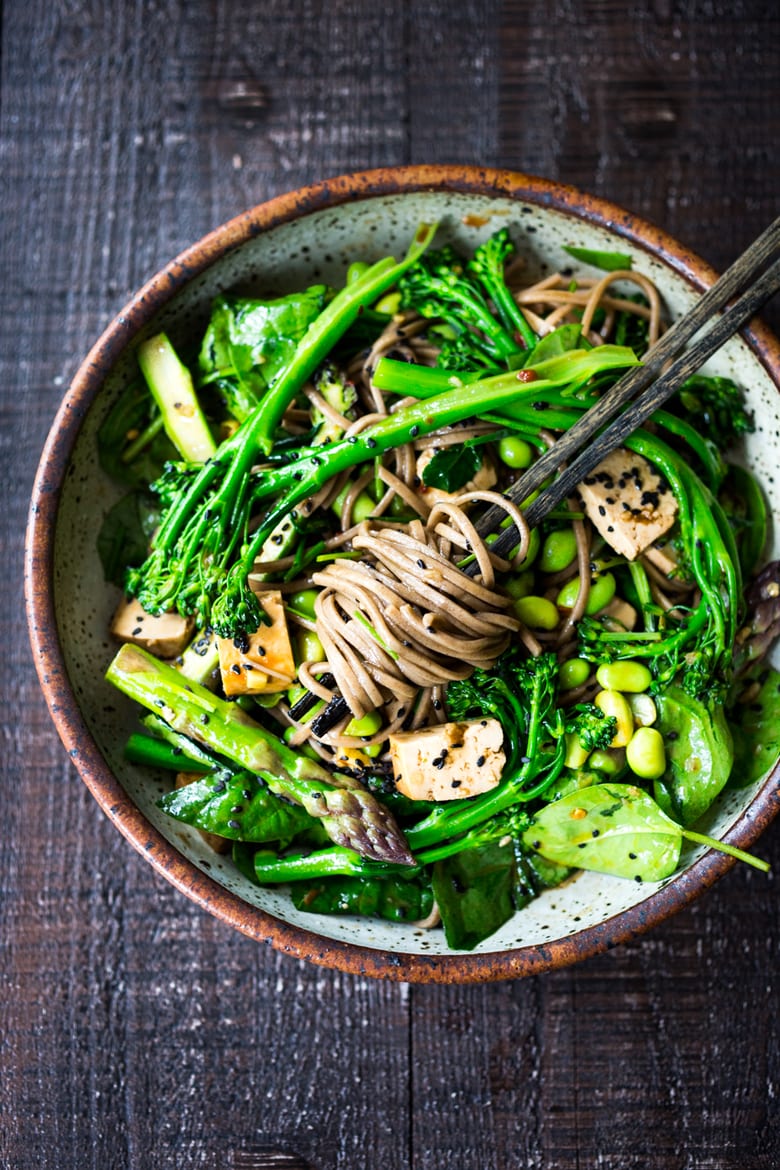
column 135, row 1030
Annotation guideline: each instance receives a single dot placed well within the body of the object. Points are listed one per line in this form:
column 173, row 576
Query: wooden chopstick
column 644, row 388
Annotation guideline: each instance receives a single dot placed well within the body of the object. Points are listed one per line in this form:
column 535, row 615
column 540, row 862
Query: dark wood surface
column 135, row 1030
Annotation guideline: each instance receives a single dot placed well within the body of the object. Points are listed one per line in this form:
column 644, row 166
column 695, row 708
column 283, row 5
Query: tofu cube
column 265, row 662
column 629, row 503
column 165, row 635
column 484, row 479
column 449, row 761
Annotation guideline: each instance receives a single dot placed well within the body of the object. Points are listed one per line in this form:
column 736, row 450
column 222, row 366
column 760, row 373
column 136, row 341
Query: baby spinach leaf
column 699, row 754
column 534, row 873
column 134, row 413
column 562, row 340
column 123, row 539
column 237, row 807
column 249, row 341
column 608, row 261
column 757, row 740
column 473, row 891
column 611, row 828
column 451, row 468
column 394, row 898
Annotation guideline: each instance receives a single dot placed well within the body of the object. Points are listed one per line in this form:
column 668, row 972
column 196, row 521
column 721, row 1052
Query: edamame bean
column 534, row 541
column 310, row 648
column 515, row 452
column 609, row 761
column 295, row 694
column 576, row 755
column 630, row 676
column 573, row 673
column 558, row 551
column 615, row 704
column 520, row 585
column 643, row 709
column 303, row 602
column 361, row 509
column 356, row 270
column 646, row 754
column 364, row 725
column 389, row 304
column 602, row 590
column 304, row 748
column 537, row 612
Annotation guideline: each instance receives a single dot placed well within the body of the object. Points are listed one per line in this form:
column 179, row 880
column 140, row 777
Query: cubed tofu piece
column 483, row 481
column 619, row 612
column 449, row 761
column 266, row 664
column 218, row 844
column 165, row 635
column 629, row 503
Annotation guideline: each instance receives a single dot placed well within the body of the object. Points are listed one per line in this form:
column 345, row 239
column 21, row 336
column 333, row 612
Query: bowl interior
column 318, row 247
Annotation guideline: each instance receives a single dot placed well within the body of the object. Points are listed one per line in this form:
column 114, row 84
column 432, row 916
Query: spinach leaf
column 451, row 468
column 238, row 807
column 249, row 341
column 611, row 828
column 699, row 754
column 562, row 340
column 608, row 261
column 394, row 898
column 473, row 891
column 757, row 739
column 534, row 873
column 134, row 414
column 123, row 539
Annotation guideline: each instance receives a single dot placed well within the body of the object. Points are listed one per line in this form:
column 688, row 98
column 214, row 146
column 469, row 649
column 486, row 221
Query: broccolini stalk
column 207, row 521
column 487, row 264
column 350, row 815
column 172, row 389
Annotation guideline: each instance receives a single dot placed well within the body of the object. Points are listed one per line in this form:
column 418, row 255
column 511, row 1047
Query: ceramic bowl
column 295, row 239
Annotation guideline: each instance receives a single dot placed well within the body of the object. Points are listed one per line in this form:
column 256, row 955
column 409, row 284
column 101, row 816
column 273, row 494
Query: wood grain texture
column 136, row 1031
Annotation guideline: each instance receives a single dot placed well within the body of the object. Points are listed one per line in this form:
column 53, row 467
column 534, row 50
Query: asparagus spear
column 350, row 815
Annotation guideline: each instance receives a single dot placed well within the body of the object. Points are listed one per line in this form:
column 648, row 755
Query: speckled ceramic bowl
column 309, row 235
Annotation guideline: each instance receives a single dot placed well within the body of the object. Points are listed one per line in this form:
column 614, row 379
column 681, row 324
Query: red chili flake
column 527, row 376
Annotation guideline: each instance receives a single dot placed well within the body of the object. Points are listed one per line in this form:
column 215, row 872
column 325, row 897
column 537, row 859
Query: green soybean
column 310, row 648
column 537, row 613
column 356, row 270
column 646, row 754
column 303, row 602
column 520, row 585
column 602, row 590
column 558, row 551
column 364, row 725
column 389, row 304
column 305, row 749
column 534, row 542
column 633, row 677
column 515, row 452
column 573, row 673
column 608, row 761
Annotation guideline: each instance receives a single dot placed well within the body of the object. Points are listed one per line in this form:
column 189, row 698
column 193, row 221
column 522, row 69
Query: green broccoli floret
column 715, row 407
column 594, row 729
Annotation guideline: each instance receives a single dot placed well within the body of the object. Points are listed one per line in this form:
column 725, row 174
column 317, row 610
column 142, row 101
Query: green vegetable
column 645, row 753
column 573, row 673
column 171, row 386
column 124, row 535
column 394, row 898
column 699, row 754
column 558, row 551
column 238, row 807
column 757, row 733
column 538, row 613
column 616, row 829
column 608, row 261
column 131, row 442
column 714, row 407
column 249, row 342
column 350, row 815
column 474, row 893
column 515, row 452
column 451, row 468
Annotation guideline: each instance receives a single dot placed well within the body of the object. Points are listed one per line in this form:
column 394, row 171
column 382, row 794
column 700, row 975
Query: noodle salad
column 354, row 695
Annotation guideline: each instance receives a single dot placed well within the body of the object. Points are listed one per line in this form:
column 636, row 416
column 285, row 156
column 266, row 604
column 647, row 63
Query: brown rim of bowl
column 39, row 552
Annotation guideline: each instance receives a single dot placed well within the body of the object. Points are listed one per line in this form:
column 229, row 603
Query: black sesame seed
column 232, row 824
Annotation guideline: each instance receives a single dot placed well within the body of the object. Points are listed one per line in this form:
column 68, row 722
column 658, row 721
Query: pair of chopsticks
column 644, row 388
